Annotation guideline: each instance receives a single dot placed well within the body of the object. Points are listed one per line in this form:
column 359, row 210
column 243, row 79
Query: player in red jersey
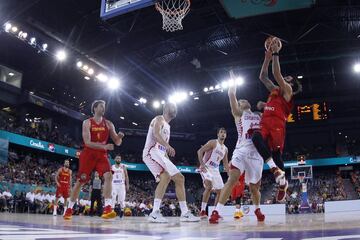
column 63, row 183
column 236, row 195
column 95, row 133
column 269, row 141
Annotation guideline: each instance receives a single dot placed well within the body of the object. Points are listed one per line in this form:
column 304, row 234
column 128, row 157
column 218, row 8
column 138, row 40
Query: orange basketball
column 272, row 40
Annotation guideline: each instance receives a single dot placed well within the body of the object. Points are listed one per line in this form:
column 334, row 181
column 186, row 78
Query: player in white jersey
column 120, row 184
column 210, row 155
column 245, row 156
column 156, row 157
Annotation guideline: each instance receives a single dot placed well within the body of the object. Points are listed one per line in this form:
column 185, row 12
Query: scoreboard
column 309, row 113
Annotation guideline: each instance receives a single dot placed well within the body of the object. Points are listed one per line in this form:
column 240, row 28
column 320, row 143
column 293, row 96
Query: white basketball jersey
column 118, row 175
column 150, row 138
column 213, row 157
column 248, row 120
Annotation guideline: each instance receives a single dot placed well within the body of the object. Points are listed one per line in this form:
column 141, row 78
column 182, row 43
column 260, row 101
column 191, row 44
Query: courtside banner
column 247, row 8
column 38, row 144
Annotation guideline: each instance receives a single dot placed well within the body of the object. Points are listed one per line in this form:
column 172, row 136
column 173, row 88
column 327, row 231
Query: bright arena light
column 85, row 67
column 101, row 77
column 7, row 27
column 224, row 84
column 79, row 64
column 162, row 102
column 300, row 77
column 14, row 29
column 32, row 41
column 217, row 86
column 143, row 100
column 90, row 71
column 211, row 88
column 44, row 46
column 356, row 67
column 178, row 97
column 191, row 93
column 239, row 81
column 61, row 55
column 156, row 104
column 206, row 89
column 114, row 83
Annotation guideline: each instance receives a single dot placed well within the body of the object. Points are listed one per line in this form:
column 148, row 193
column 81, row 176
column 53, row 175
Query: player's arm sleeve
column 87, row 138
column 158, row 122
column 207, row 147
column 284, row 86
column 114, row 136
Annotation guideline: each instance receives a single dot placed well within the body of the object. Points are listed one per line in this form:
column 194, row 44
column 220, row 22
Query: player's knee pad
column 260, row 145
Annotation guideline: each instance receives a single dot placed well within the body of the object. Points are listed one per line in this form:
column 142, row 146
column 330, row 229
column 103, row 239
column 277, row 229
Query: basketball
column 272, row 40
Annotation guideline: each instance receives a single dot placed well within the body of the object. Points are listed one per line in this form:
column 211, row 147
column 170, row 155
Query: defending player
column 269, row 141
column 245, row 157
column 156, row 157
column 63, row 179
column 94, row 157
column 120, row 183
column 210, row 155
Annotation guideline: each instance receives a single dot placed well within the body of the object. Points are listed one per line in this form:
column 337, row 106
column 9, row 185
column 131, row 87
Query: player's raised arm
column 87, row 138
column 116, row 137
column 264, row 73
column 235, row 109
column 284, row 86
column 207, row 147
column 158, row 123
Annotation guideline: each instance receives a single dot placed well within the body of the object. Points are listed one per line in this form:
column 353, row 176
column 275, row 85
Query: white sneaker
column 189, row 217
column 157, row 217
column 54, row 214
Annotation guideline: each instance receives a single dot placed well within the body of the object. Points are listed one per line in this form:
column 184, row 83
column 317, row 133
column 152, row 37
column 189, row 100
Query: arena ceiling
column 320, row 43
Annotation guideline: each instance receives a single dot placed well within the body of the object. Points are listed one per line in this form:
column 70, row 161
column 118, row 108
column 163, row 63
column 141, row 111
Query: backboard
column 112, row 8
column 301, row 171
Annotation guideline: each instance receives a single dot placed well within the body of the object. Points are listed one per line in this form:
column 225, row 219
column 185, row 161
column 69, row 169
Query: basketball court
column 333, row 225
column 319, row 226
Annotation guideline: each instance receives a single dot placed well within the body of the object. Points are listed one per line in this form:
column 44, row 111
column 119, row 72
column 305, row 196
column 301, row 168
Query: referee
column 96, row 195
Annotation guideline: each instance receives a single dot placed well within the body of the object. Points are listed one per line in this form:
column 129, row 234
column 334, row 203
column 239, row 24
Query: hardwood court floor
column 344, row 225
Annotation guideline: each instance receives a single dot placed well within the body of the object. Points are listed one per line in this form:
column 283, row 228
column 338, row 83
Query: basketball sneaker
column 215, row 217
column 108, row 213
column 238, row 215
column 260, row 217
column 203, row 215
column 281, row 193
column 157, row 217
column 189, row 217
column 68, row 214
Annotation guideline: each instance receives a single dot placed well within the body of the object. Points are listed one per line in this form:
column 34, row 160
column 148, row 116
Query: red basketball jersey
column 64, row 177
column 99, row 133
column 277, row 106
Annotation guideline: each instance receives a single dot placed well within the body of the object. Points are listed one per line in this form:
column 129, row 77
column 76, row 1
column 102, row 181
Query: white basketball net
column 173, row 12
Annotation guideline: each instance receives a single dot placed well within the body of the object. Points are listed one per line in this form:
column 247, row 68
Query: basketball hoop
column 173, row 12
